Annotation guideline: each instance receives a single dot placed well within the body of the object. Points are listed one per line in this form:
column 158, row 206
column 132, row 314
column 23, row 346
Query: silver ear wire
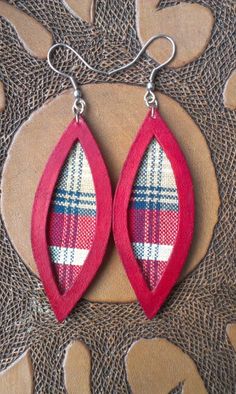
column 142, row 50
column 79, row 103
column 76, row 54
column 149, row 97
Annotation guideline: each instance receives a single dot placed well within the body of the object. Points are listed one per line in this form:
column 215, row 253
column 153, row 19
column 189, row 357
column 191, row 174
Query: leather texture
column 37, row 138
column 196, row 314
column 154, row 128
column 63, row 303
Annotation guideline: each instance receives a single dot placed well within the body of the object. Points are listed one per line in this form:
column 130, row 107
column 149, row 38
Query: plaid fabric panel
column 72, row 218
column 153, row 214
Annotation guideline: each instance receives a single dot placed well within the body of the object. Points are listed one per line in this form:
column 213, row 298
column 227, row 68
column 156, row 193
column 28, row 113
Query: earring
column 153, row 209
column 72, row 211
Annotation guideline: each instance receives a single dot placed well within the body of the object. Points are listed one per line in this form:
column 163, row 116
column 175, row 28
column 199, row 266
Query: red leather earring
column 72, row 211
column 153, row 211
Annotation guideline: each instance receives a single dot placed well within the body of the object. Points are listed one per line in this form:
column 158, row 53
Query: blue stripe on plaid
column 151, row 190
column 150, row 205
column 154, row 195
column 154, row 188
column 73, row 190
column 74, row 211
column 75, row 193
column 64, row 203
column 154, row 198
column 70, row 199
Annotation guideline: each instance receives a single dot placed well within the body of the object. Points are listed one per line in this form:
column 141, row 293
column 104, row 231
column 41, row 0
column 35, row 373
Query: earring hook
column 72, row 79
column 143, row 49
column 111, row 72
column 79, row 103
column 149, row 98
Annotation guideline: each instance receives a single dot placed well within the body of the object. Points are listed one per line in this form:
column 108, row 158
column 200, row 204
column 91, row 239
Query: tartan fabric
column 72, row 218
column 153, row 214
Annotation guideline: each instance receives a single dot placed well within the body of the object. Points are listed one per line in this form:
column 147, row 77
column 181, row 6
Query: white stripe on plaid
column 155, row 252
column 68, row 256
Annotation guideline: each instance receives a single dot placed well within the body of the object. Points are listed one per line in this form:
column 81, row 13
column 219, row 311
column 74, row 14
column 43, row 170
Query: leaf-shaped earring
column 153, row 210
column 72, row 211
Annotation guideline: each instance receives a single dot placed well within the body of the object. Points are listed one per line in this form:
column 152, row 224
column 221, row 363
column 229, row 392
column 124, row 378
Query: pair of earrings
column 152, row 210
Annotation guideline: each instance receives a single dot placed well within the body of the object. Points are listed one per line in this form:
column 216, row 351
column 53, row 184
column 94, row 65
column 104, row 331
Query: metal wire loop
column 150, row 98
column 78, row 108
column 151, row 101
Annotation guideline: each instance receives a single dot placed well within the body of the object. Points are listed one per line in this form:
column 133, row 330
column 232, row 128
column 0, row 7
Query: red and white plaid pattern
column 154, row 214
column 72, row 218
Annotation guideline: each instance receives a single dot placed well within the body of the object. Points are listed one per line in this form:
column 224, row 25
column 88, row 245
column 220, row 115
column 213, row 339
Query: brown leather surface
column 156, row 366
column 190, row 26
column 231, row 332
column 77, row 365
column 83, row 9
column 38, row 42
column 230, row 91
column 18, row 378
column 114, row 114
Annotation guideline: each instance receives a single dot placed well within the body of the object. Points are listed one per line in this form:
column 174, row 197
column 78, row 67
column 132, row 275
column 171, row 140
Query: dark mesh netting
column 196, row 314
